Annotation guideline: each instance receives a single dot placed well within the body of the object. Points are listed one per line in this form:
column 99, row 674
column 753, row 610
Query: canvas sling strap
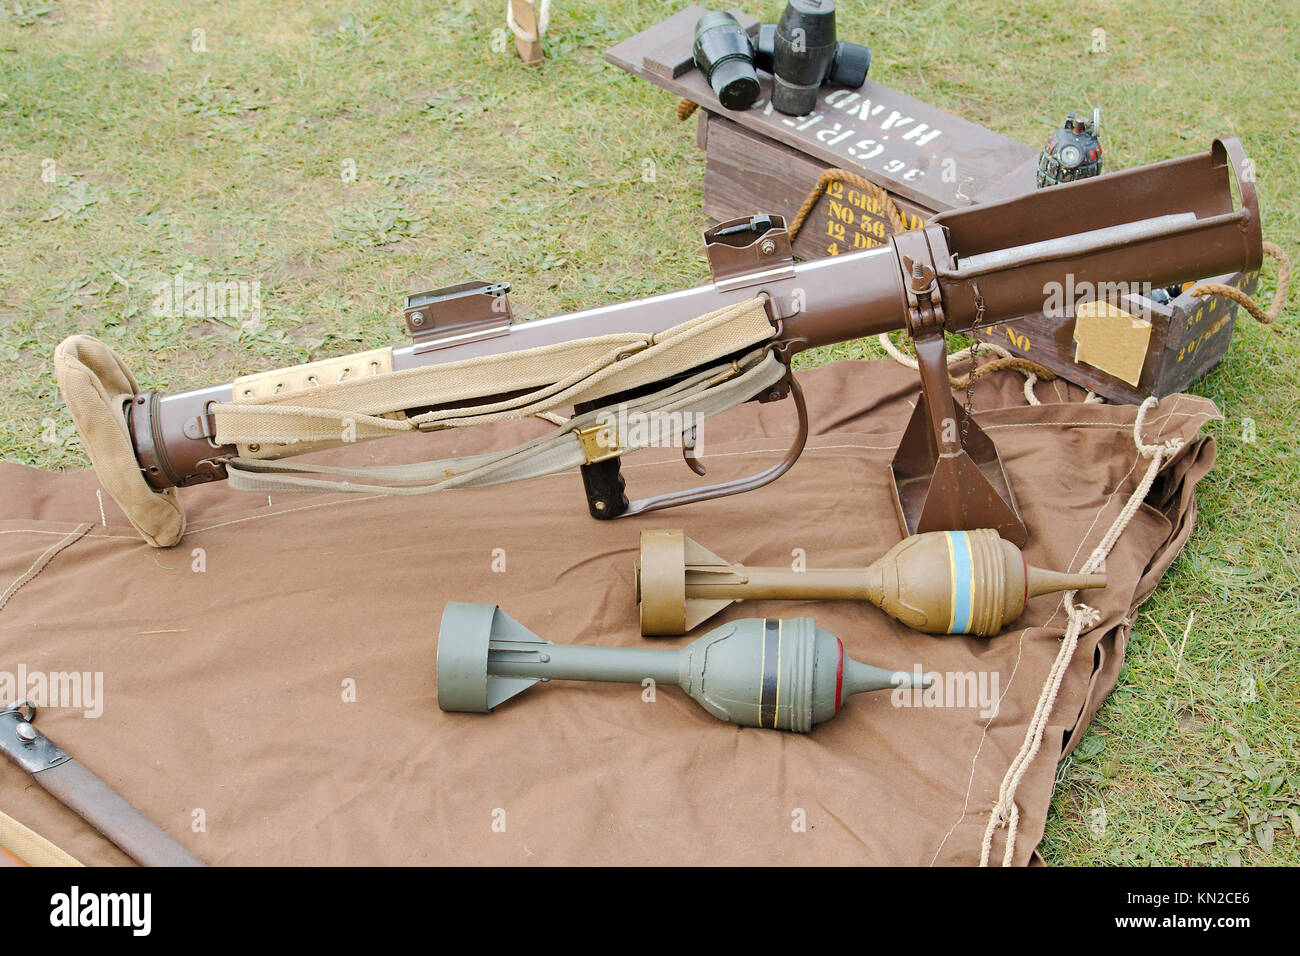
column 540, row 379
column 591, row 436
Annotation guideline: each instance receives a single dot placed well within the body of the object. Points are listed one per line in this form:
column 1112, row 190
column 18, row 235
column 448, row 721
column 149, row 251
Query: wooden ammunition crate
column 745, row 172
column 921, row 154
column 928, row 161
column 1188, row 337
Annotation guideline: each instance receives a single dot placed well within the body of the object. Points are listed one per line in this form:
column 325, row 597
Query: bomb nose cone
column 911, row 679
column 1042, row 581
column 859, row 677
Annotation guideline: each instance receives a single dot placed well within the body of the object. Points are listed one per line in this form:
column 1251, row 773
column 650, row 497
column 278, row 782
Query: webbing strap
column 628, row 426
column 549, row 377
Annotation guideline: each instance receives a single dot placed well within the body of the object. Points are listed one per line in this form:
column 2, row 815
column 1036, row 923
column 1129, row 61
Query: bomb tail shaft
column 626, row 665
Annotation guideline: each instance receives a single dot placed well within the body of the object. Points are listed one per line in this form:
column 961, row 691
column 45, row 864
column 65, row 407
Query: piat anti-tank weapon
column 468, row 362
column 782, row 675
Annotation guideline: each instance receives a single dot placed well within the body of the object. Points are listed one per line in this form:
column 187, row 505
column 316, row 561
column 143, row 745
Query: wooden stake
column 525, row 14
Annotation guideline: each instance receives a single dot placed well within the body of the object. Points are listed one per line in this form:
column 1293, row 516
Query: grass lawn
column 342, row 154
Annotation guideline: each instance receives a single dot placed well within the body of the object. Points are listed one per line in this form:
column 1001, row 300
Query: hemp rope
column 685, row 108
column 1079, row 616
column 836, row 175
column 1264, row 316
column 1031, row 370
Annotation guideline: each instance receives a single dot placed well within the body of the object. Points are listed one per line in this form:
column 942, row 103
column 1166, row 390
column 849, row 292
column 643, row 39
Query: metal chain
column 974, row 355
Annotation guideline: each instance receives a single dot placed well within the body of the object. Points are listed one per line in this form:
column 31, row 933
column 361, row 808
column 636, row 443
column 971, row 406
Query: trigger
column 688, row 453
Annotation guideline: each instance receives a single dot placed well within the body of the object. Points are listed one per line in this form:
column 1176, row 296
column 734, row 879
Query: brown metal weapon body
column 1166, row 222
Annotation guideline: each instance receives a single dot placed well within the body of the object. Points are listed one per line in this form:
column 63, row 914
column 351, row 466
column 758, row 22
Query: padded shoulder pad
column 96, row 384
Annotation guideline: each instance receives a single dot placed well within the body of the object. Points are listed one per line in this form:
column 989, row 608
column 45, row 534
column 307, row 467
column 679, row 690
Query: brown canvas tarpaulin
column 224, row 689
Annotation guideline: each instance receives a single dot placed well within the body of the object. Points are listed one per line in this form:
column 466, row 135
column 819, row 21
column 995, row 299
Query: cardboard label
column 1108, row 338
